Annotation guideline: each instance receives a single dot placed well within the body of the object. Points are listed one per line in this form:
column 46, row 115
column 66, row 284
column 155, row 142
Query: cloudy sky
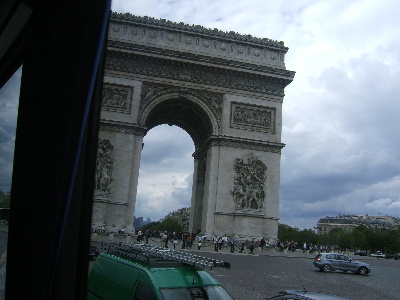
column 340, row 114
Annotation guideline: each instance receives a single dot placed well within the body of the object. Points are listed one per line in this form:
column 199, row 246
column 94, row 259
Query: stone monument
column 223, row 88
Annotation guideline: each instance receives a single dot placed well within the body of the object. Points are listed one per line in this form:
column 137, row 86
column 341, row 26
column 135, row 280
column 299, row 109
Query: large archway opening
column 165, row 174
column 177, row 127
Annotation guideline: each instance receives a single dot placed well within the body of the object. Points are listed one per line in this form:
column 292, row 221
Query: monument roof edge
column 244, row 38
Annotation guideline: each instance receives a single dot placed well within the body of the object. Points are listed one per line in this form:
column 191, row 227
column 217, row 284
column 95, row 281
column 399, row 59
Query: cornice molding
column 210, row 60
column 192, row 73
column 246, row 214
column 120, row 127
column 197, row 29
column 234, row 142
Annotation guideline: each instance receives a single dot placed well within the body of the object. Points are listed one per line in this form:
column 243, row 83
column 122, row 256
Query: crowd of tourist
column 178, row 240
column 186, row 240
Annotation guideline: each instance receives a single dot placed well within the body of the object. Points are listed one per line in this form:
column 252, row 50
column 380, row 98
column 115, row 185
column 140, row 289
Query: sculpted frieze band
column 253, row 117
column 186, row 72
column 122, row 128
column 116, row 98
column 198, row 29
column 232, row 46
column 201, row 58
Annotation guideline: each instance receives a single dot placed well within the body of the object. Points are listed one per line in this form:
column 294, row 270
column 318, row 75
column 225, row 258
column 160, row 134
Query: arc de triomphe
column 225, row 89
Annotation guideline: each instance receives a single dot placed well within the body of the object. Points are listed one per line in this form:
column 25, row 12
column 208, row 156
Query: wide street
column 260, row 276
column 264, row 274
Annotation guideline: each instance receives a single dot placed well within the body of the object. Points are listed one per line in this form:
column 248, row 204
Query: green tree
column 334, row 237
column 4, row 205
column 287, row 233
column 308, row 236
column 359, row 237
column 375, row 240
column 171, row 224
column 151, row 226
column 393, row 238
column 5, row 199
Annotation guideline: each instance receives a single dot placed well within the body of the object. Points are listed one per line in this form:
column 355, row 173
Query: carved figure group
column 248, row 191
column 104, row 168
column 252, row 117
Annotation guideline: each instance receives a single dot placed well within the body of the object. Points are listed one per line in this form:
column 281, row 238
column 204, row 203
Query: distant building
column 138, row 222
column 348, row 222
column 182, row 215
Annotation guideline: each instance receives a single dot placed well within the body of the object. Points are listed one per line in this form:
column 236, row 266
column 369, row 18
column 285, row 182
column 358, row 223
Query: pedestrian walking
column 232, row 244
column 215, row 240
column 251, row 247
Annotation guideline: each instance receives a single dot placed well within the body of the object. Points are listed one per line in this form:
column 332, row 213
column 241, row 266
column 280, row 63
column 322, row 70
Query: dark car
column 396, row 256
column 360, row 252
column 93, row 252
column 328, row 262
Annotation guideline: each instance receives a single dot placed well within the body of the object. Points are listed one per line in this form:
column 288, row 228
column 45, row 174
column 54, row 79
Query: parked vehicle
column 378, row 254
column 137, row 271
column 328, row 262
column 360, row 252
column 396, row 256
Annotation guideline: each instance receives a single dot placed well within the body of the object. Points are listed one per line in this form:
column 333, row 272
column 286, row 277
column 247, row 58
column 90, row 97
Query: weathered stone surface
column 226, row 90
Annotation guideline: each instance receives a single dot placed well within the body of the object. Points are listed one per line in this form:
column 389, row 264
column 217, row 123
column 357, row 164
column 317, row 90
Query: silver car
column 328, row 262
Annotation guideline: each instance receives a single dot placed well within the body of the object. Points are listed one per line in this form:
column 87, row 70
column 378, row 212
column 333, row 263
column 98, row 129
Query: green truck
column 137, row 271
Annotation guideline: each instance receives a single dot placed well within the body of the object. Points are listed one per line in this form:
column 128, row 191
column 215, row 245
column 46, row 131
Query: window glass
column 217, row 292
column 9, row 99
column 191, row 293
column 143, row 292
column 183, row 293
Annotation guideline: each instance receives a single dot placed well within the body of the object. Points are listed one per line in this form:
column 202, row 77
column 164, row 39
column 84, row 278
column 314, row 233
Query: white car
column 378, row 254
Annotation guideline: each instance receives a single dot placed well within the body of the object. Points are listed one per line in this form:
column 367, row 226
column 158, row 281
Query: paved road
column 260, row 276
column 264, row 274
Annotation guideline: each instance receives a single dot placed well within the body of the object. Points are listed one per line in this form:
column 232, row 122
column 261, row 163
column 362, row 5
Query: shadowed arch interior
column 184, row 114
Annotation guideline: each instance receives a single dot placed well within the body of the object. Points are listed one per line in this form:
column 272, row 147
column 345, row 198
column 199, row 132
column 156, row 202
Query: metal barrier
column 156, row 256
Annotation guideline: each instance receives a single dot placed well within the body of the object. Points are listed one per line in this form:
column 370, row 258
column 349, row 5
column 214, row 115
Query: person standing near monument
column 199, row 244
column 220, row 242
column 215, row 240
column 232, row 244
column 251, row 247
column 262, row 243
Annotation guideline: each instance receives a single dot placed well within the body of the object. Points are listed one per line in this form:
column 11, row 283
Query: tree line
column 168, row 224
column 360, row 238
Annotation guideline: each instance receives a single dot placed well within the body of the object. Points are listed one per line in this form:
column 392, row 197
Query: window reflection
column 9, row 96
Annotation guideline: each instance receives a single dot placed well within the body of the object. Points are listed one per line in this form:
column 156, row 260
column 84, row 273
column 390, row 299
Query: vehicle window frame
column 148, row 291
column 207, row 291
